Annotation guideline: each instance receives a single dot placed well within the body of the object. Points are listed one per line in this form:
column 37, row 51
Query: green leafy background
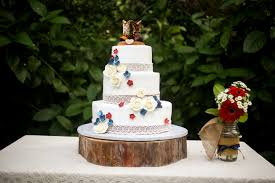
column 53, row 54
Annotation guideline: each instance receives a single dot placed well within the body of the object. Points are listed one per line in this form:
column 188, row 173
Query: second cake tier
column 138, row 83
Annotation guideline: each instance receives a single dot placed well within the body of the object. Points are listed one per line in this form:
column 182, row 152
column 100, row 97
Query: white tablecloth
column 56, row 159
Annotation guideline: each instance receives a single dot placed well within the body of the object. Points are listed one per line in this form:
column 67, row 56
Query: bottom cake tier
column 126, row 121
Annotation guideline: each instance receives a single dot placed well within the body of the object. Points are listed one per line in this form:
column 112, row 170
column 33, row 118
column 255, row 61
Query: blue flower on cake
column 127, row 74
column 100, row 125
column 143, row 112
column 158, row 102
column 116, row 61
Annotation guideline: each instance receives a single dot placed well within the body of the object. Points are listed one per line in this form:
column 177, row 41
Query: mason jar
column 229, row 142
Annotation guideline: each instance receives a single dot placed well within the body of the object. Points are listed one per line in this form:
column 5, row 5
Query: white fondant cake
column 141, row 54
column 131, row 102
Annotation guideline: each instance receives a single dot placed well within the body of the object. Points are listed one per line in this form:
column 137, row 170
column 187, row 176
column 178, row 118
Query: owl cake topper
column 131, row 33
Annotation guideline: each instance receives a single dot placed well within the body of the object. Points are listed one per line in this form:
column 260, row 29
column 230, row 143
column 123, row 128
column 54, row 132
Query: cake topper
column 131, row 33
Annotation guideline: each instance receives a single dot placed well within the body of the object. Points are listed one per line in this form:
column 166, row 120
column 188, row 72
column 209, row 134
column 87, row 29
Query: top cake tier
column 134, row 54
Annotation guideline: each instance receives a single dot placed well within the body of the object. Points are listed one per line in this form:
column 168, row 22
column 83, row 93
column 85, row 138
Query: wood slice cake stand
column 132, row 150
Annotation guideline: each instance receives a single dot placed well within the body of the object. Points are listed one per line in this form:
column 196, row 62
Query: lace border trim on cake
column 139, row 130
column 116, row 99
column 139, row 67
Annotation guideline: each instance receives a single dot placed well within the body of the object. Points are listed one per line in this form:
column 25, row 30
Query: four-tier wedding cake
column 131, row 96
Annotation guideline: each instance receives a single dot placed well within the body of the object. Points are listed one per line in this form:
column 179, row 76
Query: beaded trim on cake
column 115, row 99
column 139, row 67
column 141, row 130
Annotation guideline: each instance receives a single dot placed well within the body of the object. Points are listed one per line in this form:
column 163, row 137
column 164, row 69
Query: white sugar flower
column 110, row 70
column 101, row 127
column 135, row 104
column 140, row 93
column 149, row 103
column 121, row 68
column 116, row 81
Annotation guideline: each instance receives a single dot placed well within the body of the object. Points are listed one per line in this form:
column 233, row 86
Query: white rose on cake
column 121, row 68
column 135, row 104
column 149, row 103
column 116, row 81
column 140, row 93
column 110, row 70
column 101, row 127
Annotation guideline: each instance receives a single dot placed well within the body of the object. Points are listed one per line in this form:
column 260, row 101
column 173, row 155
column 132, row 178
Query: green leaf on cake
column 45, row 114
column 213, row 111
column 254, row 41
column 65, row 122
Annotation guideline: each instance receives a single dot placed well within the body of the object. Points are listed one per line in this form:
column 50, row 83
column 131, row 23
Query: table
column 56, row 159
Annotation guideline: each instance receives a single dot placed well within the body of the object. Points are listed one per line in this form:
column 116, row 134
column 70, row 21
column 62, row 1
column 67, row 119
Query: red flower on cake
column 121, row 104
column 235, row 91
column 109, row 115
column 132, row 116
column 166, row 121
column 115, row 51
column 130, row 82
column 229, row 112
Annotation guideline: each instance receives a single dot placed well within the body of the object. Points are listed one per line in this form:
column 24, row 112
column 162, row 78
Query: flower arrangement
column 220, row 135
column 233, row 102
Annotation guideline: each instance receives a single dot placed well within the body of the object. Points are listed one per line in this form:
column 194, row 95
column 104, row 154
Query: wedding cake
column 131, row 96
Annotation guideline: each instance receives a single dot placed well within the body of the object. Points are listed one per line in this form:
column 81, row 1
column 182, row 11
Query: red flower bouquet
column 233, row 102
column 220, row 135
